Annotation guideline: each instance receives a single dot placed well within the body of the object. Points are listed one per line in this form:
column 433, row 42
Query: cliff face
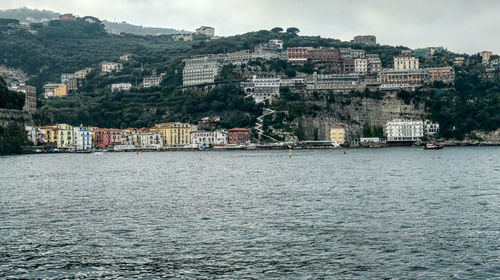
column 352, row 112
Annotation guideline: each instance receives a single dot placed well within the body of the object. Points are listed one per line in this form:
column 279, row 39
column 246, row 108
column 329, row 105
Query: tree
column 292, row 30
column 277, row 30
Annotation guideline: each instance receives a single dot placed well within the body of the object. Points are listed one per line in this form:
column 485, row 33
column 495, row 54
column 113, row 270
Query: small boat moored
column 431, row 146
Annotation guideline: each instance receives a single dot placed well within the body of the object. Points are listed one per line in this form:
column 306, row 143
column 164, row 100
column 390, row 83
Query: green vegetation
column 10, row 99
column 372, row 131
column 12, row 138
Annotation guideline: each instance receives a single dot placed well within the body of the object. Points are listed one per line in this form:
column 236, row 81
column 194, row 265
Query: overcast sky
column 466, row 26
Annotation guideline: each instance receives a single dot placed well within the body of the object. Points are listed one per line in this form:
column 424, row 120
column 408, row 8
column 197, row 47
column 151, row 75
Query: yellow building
column 337, row 134
column 65, row 136
column 49, row 134
column 174, row 133
column 61, row 91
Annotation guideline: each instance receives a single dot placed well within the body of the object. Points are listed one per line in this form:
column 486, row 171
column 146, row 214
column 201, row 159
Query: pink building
column 239, row 136
column 106, row 137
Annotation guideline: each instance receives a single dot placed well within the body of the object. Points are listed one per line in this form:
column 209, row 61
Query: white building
column 404, row 130
column 151, row 140
column 67, row 76
column 126, row 57
column 235, row 58
column 121, row 87
column 340, row 82
column 200, row 70
column 220, row 137
column 374, row 63
column 110, row 67
column 202, row 138
column 206, row 30
column 405, row 63
column 152, row 81
column 82, row 74
column 83, row 138
column 263, row 88
column 361, row 65
column 430, row 128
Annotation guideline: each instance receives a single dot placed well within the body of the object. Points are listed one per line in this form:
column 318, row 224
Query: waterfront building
column 370, row 40
column 83, row 138
column 153, row 80
column 108, row 137
column 239, row 136
column 361, row 65
column 110, row 67
column 370, row 140
column 443, row 74
column 430, row 128
column 121, row 87
column 61, row 91
column 48, row 135
column 485, row 55
column 337, row 135
column 206, row 30
column 263, row 88
column 405, row 63
column 220, row 137
column 65, row 136
column 130, row 137
column 202, row 138
column 200, row 70
column 151, row 139
column 174, row 133
column 399, row 130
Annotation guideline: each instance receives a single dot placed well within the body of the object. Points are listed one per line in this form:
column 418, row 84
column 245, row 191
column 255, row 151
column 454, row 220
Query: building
column 49, row 89
column 108, row 137
column 485, row 55
column 206, row 30
column 121, row 87
column 208, row 123
column 407, row 53
column 298, row 55
column 402, row 79
column 370, row 40
column 430, row 128
column 202, row 138
column 72, row 84
column 405, row 63
column 341, row 82
column 65, row 136
column 404, row 130
column 61, row 91
column 348, row 53
column 151, row 139
column 174, row 133
column 82, row 74
column 29, row 97
column 374, row 63
column 337, row 135
column 131, row 137
column 67, row 76
column 200, row 70
column 83, row 138
column 443, row 74
column 458, row 61
column 126, row 57
column 48, row 135
column 263, row 88
column 110, row 67
column 152, row 81
column 239, row 136
column 235, row 58
column 361, row 65
column 67, row 17
column 421, row 53
column 324, row 56
column 220, row 137
column 270, row 50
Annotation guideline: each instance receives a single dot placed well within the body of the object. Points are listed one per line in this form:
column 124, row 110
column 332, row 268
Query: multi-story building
column 235, row 58
column 131, row 137
column 29, row 97
column 49, row 89
column 370, row 40
column 263, row 88
column 443, row 74
column 83, row 138
column 72, row 84
column 405, row 63
column 402, row 79
column 61, row 91
column 374, row 63
column 340, row 82
column 65, row 136
column 404, row 130
column 486, row 55
column 67, row 76
column 430, row 128
column 337, row 135
column 298, row 55
column 458, row 61
column 239, row 136
column 202, row 138
column 151, row 139
column 208, row 123
column 270, row 50
column 48, row 135
column 110, row 67
column 206, row 30
column 108, row 137
column 174, row 133
column 220, row 137
column 82, row 74
column 121, row 87
column 361, row 65
column 326, row 56
column 152, row 81
column 200, row 70
column 348, row 53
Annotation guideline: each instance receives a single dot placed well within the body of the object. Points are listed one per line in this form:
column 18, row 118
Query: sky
column 463, row 26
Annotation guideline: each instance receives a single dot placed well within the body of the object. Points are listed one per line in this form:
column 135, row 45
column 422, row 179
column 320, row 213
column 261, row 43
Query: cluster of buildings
column 342, row 69
column 69, row 83
column 170, row 134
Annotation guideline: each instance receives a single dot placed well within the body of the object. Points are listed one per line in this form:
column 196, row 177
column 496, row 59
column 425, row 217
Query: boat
column 431, row 146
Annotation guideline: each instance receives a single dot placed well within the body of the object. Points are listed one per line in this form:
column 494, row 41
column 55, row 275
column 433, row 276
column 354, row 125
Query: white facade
column 404, row 130
column 206, row 30
column 67, row 76
column 220, row 137
column 152, row 81
column 263, row 88
column 83, row 138
column 151, row 140
column 202, row 138
column 200, row 70
column 374, row 63
column 361, row 65
column 430, row 128
column 405, row 63
column 109, row 67
column 121, row 87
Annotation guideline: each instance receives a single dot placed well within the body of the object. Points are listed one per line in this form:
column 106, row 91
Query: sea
column 389, row 213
